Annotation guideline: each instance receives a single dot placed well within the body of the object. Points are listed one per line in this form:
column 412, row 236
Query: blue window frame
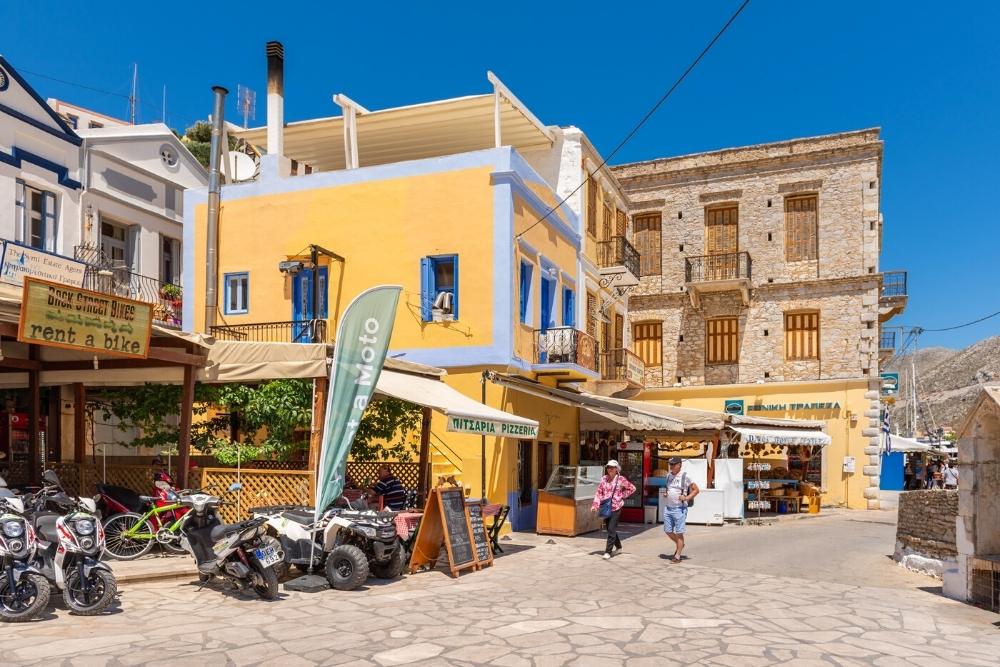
column 569, row 307
column 236, row 293
column 439, row 288
column 548, row 301
column 525, row 295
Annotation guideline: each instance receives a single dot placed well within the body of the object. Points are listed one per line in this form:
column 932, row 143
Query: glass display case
column 564, row 504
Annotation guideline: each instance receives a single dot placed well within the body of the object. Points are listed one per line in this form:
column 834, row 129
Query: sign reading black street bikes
column 77, row 319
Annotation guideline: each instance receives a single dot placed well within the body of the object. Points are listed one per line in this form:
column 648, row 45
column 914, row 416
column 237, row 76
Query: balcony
column 293, row 331
column 619, row 260
column 718, row 273
column 886, row 345
column 621, row 365
column 562, row 348
column 892, row 295
column 102, row 274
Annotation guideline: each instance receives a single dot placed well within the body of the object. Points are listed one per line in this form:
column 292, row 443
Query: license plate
column 267, row 556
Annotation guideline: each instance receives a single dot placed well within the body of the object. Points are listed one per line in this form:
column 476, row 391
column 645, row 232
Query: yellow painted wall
column 845, row 433
column 382, row 229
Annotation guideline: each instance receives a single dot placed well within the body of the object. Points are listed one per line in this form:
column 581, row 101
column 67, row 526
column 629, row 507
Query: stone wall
column 927, row 524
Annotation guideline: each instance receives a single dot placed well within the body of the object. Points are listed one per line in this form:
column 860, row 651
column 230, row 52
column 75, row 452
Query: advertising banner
column 19, row 262
column 489, row 427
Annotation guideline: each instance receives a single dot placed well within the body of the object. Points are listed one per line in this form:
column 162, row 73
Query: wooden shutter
column 801, row 228
column 619, row 332
column 722, row 341
column 608, row 224
column 647, row 243
column 647, row 339
column 802, row 335
column 721, row 230
column 592, row 315
column 621, row 222
column 592, row 206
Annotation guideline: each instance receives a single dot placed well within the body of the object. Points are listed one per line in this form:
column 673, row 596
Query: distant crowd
column 932, row 474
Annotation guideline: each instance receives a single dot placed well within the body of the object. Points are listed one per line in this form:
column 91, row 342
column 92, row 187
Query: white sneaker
column 606, row 556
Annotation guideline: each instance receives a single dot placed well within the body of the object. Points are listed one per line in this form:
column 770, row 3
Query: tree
column 198, row 139
column 388, row 429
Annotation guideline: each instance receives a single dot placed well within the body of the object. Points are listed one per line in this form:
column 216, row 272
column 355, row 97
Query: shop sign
column 487, row 427
column 635, row 369
column 19, row 262
column 758, row 466
column 734, row 406
column 77, row 319
column 890, row 383
column 790, row 407
column 759, row 505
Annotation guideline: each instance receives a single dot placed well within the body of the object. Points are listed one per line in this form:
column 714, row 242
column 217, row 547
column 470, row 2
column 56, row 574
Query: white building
column 79, row 118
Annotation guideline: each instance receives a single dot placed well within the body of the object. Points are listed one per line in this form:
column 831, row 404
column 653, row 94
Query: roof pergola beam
column 350, row 110
column 500, row 89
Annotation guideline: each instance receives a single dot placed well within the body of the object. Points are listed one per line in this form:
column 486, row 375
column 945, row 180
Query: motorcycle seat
column 126, row 497
column 303, row 517
column 225, row 529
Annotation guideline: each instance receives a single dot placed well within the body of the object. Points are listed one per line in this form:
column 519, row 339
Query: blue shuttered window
column 569, row 307
column 525, row 294
column 236, row 293
column 439, row 288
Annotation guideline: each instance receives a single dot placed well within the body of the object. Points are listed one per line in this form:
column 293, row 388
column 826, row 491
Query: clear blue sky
column 927, row 73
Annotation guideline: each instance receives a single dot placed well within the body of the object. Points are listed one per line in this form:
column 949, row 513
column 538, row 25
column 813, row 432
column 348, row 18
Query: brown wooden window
column 721, row 230
column 801, row 228
column 802, row 335
column 722, row 341
column 621, row 222
column 647, row 339
column 592, row 207
column 608, row 224
column 647, row 243
column 592, row 315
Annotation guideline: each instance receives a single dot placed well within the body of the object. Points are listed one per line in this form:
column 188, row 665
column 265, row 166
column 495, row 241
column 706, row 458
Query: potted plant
column 169, row 292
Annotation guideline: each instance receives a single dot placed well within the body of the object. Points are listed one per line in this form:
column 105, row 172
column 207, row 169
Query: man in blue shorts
column 680, row 489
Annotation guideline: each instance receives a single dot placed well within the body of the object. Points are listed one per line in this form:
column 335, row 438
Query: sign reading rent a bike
column 77, row 319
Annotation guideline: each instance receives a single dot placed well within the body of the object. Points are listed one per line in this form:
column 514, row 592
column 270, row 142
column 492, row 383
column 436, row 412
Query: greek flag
column 885, row 430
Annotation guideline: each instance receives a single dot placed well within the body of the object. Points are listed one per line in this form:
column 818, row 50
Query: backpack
column 685, row 486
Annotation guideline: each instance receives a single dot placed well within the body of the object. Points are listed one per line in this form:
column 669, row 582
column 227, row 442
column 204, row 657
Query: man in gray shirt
column 680, row 489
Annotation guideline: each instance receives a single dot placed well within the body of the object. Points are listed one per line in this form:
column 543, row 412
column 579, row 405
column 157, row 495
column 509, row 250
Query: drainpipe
column 214, row 193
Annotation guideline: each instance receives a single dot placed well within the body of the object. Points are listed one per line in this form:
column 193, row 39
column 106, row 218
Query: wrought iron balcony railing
column 102, row 274
column 566, row 345
column 623, row 365
column 710, row 268
column 294, row 331
column 893, row 284
column 617, row 251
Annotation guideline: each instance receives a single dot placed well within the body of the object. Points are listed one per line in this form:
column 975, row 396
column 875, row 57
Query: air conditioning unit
column 443, row 308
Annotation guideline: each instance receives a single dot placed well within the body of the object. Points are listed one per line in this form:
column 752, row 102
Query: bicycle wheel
column 120, row 545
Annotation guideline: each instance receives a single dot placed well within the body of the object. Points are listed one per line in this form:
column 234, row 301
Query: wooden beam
column 34, row 412
column 8, row 329
column 21, row 364
column 79, row 422
column 105, row 364
column 174, row 357
column 187, row 411
column 321, row 388
column 423, row 467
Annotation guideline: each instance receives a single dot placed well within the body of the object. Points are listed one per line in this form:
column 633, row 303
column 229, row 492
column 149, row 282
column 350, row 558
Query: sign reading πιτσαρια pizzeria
column 78, row 319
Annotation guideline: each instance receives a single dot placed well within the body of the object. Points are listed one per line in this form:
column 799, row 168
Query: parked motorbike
column 70, row 546
column 238, row 553
column 24, row 591
column 349, row 544
column 134, row 523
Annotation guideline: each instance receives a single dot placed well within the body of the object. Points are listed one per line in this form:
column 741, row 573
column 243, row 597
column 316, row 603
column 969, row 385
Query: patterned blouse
column 621, row 487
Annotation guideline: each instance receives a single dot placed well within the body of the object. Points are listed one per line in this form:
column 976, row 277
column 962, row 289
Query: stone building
column 761, row 278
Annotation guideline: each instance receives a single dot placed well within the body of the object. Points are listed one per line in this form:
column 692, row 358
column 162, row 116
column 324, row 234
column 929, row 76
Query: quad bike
column 348, row 544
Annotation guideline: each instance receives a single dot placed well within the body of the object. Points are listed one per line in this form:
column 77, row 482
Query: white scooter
column 24, row 591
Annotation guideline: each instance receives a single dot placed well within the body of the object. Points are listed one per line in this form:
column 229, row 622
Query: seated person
column 390, row 488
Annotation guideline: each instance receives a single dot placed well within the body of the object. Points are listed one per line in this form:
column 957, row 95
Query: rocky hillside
column 948, row 381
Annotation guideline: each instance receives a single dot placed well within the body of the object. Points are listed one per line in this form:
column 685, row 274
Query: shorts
column 674, row 519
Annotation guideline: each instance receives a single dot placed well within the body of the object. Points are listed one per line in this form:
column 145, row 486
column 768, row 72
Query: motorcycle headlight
column 13, row 528
column 248, row 534
column 85, row 527
column 367, row 531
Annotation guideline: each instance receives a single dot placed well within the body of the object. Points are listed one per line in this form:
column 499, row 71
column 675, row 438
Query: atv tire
column 346, row 567
column 393, row 567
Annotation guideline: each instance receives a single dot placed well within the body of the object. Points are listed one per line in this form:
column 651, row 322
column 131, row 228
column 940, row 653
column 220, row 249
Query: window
column 722, row 344
column 802, row 335
column 801, row 228
column 525, row 294
column 237, row 293
column 621, row 222
column 647, row 339
column 564, row 453
column 592, row 315
column 592, row 206
column 647, row 242
column 608, row 223
column 439, row 288
column 548, row 302
column 35, row 211
column 524, row 476
column 569, row 307
column 115, row 242
column 73, row 121
column 94, row 124
column 170, row 260
column 721, row 230
column 544, row 466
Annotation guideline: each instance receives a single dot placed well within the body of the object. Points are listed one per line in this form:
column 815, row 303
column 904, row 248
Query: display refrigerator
column 564, row 505
column 634, row 459
column 15, row 436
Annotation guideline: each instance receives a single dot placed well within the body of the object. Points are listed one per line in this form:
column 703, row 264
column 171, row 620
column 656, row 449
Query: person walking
column 950, row 476
column 932, row 468
column 919, row 474
column 680, row 490
column 609, row 499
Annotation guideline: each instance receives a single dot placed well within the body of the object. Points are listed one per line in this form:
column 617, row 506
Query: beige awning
column 781, row 436
column 240, row 361
column 464, row 414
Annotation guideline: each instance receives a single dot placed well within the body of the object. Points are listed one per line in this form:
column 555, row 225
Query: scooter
column 238, row 553
column 71, row 542
column 349, row 544
column 24, row 591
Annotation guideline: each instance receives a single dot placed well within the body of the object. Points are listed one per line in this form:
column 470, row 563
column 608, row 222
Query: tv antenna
column 246, row 103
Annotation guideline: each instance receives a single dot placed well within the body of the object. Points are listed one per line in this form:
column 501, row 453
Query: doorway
column 302, row 302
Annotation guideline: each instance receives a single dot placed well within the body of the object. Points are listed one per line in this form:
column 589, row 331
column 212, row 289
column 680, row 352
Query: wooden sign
column 484, row 552
column 446, row 522
column 78, row 319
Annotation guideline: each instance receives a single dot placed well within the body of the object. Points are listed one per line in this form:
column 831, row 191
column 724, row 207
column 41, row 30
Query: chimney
column 275, row 98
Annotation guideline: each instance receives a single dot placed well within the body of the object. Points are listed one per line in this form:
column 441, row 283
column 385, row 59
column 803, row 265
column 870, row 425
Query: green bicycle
column 129, row 535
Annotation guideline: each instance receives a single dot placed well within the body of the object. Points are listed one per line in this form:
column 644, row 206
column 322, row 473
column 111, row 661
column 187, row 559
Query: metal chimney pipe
column 214, row 194
column 275, row 98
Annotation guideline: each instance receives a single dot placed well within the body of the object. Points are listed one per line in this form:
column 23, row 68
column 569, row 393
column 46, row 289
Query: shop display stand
column 758, row 502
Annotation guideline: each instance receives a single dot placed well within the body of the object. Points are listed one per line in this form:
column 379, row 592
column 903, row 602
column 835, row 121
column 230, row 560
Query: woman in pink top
column 613, row 485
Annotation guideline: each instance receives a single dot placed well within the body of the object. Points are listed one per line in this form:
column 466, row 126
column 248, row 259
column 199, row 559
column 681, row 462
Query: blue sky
column 925, row 72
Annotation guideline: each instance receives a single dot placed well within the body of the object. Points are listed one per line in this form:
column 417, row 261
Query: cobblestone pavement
column 546, row 602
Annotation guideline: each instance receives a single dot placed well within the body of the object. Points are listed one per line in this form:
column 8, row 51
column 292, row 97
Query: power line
column 645, row 118
column 967, row 324
column 72, row 83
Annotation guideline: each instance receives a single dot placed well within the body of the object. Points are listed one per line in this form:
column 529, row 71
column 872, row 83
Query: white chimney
column 275, row 99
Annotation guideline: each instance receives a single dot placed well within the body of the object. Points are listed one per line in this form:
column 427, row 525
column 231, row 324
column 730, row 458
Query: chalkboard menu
column 456, row 526
column 482, row 541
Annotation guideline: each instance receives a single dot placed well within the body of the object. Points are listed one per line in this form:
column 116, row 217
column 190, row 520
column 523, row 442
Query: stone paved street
column 552, row 602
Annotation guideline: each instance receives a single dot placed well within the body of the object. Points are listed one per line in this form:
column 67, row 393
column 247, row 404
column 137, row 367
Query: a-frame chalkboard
column 447, row 521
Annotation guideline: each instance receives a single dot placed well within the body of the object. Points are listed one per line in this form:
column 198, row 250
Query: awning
column 243, row 361
column 901, row 444
column 464, row 414
column 781, row 436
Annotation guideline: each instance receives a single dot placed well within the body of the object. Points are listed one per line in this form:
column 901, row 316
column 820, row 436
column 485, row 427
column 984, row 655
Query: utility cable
column 645, row 118
column 960, row 326
column 72, row 83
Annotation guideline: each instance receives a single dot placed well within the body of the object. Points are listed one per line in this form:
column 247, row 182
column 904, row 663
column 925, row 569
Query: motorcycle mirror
column 235, row 486
column 51, row 478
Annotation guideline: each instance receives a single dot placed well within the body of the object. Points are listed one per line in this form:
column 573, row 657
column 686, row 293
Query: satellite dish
column 242, row 167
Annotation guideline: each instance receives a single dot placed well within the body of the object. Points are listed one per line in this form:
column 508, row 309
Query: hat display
column 612, row 463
